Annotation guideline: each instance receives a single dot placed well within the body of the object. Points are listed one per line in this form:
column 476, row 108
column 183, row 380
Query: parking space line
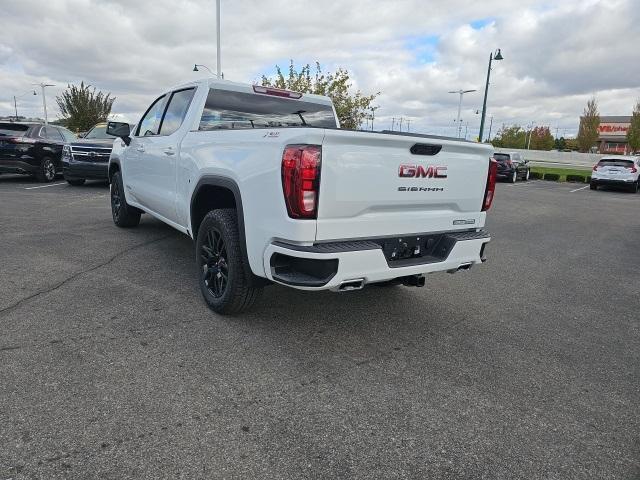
column 528, row 182
column 45, row 186
column 578, row 189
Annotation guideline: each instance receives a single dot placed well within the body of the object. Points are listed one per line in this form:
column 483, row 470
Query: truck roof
column 213, row 82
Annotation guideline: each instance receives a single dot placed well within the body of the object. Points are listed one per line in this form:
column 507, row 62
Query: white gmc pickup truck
column 272, row 190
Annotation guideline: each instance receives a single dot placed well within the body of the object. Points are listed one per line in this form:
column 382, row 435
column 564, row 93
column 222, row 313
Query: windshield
column 610, row 162
column 13, row 129
column 501, row 157
column 98, row 132
column 238, row 110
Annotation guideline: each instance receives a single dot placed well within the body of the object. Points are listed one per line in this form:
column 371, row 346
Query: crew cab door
column 157, row 150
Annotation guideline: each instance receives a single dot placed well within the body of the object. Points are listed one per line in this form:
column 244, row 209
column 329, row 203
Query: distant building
column 612, row 134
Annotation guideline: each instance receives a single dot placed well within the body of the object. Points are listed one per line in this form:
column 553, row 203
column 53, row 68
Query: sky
column 557, row 54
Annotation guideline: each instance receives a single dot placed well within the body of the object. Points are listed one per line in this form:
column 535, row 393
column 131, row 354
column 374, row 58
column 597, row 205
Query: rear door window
column 176, row 111
column 51, row 133
column 67, row 134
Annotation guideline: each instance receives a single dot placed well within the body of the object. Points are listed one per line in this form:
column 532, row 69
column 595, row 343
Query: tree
column 82, row 107
column 351, row 107
column 560, row 144
column 633, row 135
column 510, row 137
column 541, row 139
column 589, row 123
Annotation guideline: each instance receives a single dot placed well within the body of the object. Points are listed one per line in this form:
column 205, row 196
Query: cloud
column 557, row 54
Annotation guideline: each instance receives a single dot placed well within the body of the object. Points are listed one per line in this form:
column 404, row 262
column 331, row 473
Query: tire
column 527, row 175
column 124, row 215
column 76, row 182
column 46, row 171
column 514, row 176
column 634, row 187
column 593, row 186
column 224, row 275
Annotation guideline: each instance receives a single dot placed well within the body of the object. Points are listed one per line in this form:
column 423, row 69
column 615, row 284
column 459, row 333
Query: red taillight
column 595, row 167
column 276, row 92
column 633, row 169
column 301, row 179
column 491, row 185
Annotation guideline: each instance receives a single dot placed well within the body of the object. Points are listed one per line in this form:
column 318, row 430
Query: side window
column 67, row 135
column 150, row 123
column 176, row 111
column 51, row 133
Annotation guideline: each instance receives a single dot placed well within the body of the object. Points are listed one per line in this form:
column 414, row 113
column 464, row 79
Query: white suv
column 621, row 171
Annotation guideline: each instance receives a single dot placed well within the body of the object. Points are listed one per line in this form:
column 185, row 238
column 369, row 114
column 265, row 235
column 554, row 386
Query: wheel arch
column 213, row 192
column 114, row 166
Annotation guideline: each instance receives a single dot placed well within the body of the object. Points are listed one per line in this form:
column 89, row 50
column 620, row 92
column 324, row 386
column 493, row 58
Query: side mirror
column 121, row 130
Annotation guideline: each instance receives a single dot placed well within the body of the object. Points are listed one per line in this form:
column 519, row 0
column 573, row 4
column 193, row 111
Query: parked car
column 271, row 190
column 32, row 149
column 88, row 157
column 617, row 171
column 512, row 166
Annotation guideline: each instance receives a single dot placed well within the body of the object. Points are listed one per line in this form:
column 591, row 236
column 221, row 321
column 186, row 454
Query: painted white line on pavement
column 528, row 182
column 578, row 189
column 45, row 186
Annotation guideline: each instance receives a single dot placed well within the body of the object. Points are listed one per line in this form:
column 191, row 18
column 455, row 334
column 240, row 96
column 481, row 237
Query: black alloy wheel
column 215, row 270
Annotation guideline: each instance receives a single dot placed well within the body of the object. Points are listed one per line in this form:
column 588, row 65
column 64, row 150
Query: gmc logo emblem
column 418, row 171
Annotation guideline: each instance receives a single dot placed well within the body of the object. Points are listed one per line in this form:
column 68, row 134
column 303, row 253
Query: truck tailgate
column 362, row 193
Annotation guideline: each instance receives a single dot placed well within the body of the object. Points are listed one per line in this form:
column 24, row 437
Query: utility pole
column 15, row 105
column 218, row 59
column 393, row 121
column 461, row 93
column 490, row 125
column 401, row 123
column 408, row 123
column 44, row 100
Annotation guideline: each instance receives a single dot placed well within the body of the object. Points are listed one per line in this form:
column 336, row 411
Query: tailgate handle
column 425, row 149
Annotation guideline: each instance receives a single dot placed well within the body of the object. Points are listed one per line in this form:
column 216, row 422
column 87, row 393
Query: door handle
column 140, row 148
column 169, row 151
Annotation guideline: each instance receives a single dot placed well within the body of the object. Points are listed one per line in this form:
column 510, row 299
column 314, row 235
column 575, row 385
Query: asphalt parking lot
column 111, row 365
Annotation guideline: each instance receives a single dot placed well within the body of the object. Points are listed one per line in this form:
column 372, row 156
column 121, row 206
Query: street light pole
column 461, row 93
column 218, row 59
column 15, row 102
column 498, row 56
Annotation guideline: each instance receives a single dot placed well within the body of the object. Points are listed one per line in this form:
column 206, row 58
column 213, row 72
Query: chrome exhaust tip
column 349, row 285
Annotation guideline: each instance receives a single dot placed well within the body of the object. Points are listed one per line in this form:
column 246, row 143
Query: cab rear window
column 238, row 110
column 501, row 157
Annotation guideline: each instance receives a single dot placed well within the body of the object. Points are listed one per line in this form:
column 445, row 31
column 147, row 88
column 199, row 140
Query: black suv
column 32, row 149
column 88, row 157
column 512, row 166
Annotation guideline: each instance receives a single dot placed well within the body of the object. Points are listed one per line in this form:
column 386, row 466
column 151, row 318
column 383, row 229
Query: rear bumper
column 92, row 170
column 610, row 181
column 327, row 266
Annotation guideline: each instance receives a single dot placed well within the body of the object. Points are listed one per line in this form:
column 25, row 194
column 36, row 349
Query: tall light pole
column 44, row 100
column 218, row 59
column 461, row 93
column 15, row 102
column 497, row 56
